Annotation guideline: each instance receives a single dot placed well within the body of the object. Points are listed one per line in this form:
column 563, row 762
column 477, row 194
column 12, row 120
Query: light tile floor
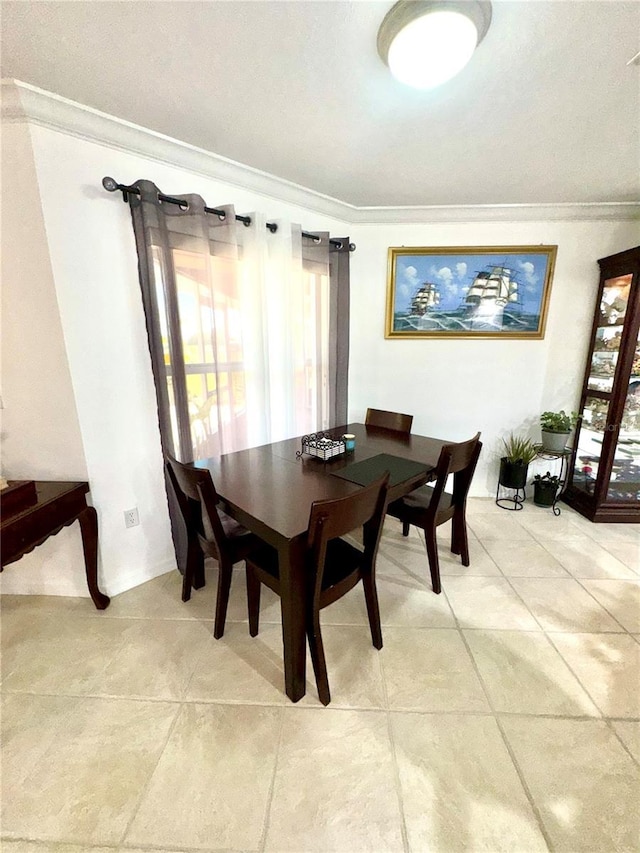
column 502, row 715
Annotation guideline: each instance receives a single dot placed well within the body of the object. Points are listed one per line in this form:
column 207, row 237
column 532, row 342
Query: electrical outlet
column 131, row 517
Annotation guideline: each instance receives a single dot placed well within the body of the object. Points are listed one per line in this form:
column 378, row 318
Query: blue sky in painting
column 453, row 275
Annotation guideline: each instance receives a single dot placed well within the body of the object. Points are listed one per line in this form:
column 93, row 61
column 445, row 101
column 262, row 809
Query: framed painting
column 469, row 291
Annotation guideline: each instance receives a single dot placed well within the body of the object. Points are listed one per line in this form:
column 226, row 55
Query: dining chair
column 389, row 420
column 430, row 506
column 333, row 566
column 218, row 535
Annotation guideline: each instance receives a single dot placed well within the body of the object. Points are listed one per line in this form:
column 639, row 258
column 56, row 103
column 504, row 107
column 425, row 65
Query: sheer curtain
column 248, row 329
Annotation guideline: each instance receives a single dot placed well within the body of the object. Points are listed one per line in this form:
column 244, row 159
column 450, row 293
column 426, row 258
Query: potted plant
column 514, row 465
column 545, row 489
column 556, row 428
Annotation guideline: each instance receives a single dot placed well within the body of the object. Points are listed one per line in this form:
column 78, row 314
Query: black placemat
column 368, row 470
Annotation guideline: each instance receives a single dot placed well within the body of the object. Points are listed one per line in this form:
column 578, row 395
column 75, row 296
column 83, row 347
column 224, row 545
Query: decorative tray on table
column 321, row 445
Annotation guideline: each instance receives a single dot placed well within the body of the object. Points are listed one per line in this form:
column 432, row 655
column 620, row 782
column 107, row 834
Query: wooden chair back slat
column 428, row 508
column 389, row 420
column 201, row 507
column 333, row 559
column 199, row 500
column 334, row 518
column 460, row 460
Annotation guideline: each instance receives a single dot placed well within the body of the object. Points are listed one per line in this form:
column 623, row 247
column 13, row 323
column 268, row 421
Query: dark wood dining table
column 269, row 490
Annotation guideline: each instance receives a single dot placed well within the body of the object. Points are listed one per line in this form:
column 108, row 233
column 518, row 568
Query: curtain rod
column 113, row 186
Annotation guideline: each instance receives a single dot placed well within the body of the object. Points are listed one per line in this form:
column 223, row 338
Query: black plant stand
column 564, row 456
column 513, row 478
column 513, row 502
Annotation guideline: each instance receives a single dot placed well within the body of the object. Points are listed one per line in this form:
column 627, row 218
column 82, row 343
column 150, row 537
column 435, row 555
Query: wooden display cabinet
column 604, row 480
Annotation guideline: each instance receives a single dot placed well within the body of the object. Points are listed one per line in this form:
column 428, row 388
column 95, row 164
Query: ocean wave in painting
column 460, row 321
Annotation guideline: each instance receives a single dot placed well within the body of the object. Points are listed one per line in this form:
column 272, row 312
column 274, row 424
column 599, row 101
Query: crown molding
column 561, row 212
column 24, row 103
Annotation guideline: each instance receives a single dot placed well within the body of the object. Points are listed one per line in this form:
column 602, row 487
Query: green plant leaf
column 558, row 421
column 518, row 448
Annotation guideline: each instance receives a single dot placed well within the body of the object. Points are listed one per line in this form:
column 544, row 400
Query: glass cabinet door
column 601, row 375
column 624, row 482
column 613, row 311
column 591, row 436
column 604, row 478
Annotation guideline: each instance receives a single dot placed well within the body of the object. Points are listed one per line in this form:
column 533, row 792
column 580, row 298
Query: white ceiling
column 547, row 111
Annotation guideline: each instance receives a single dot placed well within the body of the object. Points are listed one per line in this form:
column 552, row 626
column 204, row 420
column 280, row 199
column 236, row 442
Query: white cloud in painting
column 443, row 275
column 408, row 281
column 461, row 269
column 529, row 276
column 446, row 279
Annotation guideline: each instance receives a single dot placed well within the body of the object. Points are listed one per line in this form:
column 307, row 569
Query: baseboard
column 136, row 577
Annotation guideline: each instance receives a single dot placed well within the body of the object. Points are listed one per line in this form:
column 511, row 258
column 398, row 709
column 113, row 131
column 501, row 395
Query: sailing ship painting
column 425, row 299
column 484, row 292
column 492, row 291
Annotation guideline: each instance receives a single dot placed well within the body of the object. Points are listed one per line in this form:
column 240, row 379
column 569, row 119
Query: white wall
column 94, row 265
column 456, row 387
column 40, row 430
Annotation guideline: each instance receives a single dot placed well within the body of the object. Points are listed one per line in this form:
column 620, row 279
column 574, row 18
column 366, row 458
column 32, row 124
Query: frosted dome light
column 432, row 49
column 427, row 42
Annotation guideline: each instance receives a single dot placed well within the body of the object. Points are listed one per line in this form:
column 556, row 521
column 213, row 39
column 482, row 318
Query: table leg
column 292, row 602
column 88, row 519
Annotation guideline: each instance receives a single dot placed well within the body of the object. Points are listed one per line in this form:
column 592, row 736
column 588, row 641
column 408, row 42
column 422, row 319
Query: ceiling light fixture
column 426, row 42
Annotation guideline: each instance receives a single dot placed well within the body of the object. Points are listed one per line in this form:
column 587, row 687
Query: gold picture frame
column 469, row 291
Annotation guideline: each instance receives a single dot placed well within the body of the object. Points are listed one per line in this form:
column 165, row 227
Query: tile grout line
column 120, row 697
column 486, row 551
column 51, row 844
column 394, row 758
column 592, row 526
column 146, row 786
column 150, row 848
column 524, row 603
column 547, row 634
column 267, row 807
column 403, row 568
column 516, row 766
column 521, row 599
column 231, row 703
column 514, row 590
column 604, row 607
column 610, row 722
column 603, row 715
column 535, row 542
column 185, row 690
column 464, row 574
column 81, row 847
column 571, row 577
column 580, row 584
column 574, row 673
